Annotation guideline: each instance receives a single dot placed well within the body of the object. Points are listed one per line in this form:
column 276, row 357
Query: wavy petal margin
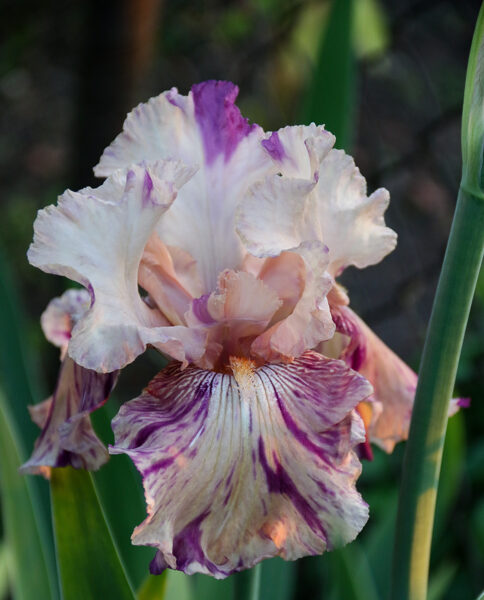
column 342, row 216
column 237, row 468
column 97, row 237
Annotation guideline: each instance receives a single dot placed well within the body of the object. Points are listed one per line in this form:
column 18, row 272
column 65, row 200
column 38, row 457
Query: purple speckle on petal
column 274, row 147
column 463, row 402
column 220, row 121
column 147, row 189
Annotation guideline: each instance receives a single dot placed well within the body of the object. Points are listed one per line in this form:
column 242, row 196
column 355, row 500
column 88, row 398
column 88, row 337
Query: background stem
column 438, row 368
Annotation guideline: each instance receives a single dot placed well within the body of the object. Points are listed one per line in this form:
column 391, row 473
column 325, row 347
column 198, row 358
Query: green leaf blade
column 32, row 574
column 330, row 99
column 88, row 561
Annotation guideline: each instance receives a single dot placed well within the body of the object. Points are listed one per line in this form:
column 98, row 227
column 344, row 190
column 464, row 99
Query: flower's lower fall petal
column 67, row 436
column 239, row 467
column 387, row 416
column 100, row 243
column 394, row 383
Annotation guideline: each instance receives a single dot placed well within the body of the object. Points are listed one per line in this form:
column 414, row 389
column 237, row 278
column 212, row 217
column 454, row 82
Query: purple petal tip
column 220, row 121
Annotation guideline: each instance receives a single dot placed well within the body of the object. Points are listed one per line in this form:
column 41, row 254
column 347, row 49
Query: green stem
column 443, row 344
column 440, row 358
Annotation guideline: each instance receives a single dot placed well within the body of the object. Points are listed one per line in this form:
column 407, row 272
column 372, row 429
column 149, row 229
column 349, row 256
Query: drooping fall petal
column 67, row 436
column 394, row 383
column 239, row 467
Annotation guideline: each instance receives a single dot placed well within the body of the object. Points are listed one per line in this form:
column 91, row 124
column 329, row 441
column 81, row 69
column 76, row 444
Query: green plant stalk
column 462, row 262
column 438, row 368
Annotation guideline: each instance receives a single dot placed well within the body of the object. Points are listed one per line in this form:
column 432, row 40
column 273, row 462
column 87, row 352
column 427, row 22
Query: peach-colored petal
column 286, row 275
column 394, row 383
column 310, row 321
column 157, row 275
column 271, row 221
column 235, row 313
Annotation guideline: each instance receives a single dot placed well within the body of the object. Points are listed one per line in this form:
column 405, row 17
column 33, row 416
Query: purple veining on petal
column 274, row 147
column 296, row 431
column 187, row 549
column 218, row 512
column 67, row 437
column 220, row 121
column 358, row 357
column 279, row 482
column 355, row 354
column 90, row 289
column 200, row 310
column 147, row 189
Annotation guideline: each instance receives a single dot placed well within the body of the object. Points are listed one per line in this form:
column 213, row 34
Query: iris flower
column 219, row 245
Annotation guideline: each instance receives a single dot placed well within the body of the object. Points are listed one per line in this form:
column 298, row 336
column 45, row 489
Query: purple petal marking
column 174, row 98
column 463, row 402
column 147, row 189
column 67, row 436
column 274, row 147
column 220, row 121
column 200, row 310
column 237, row 468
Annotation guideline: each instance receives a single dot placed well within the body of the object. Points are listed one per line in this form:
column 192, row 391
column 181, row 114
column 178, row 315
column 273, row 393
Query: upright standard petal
column 272, row 222
column 97, row 238
column 341, row 215
column 67, row 436
column 204, row 129
column 239, row 467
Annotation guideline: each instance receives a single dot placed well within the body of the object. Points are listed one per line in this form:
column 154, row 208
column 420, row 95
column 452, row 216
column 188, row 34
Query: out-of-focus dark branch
column 118, row 45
